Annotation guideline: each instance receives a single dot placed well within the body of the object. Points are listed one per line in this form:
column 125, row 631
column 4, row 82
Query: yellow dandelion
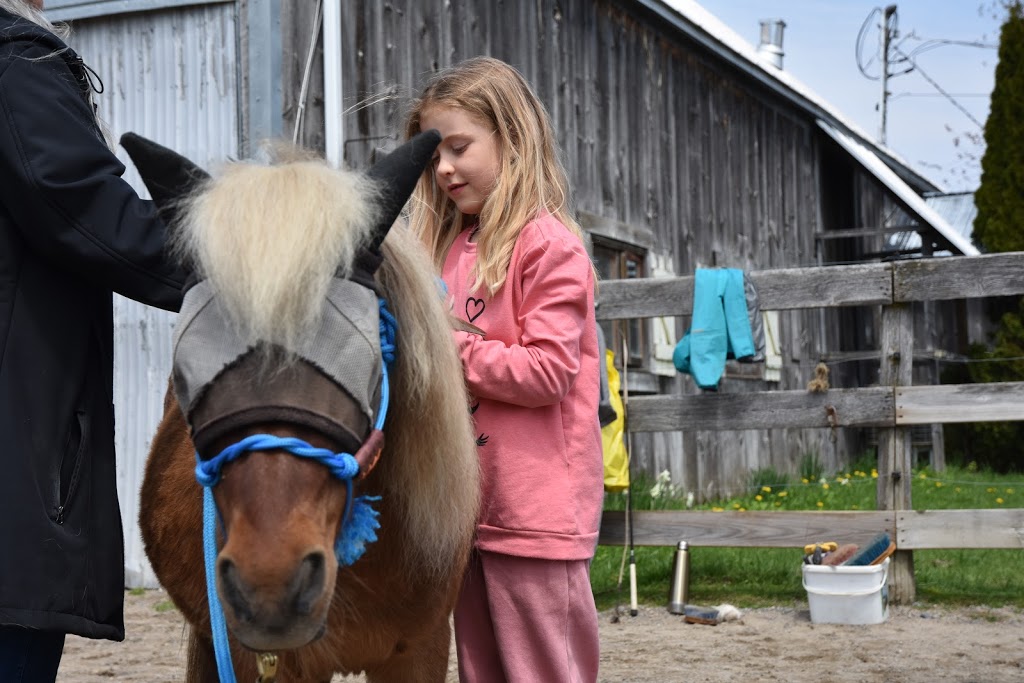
column 735, row 506
column 938, row 484
column 777, row 503
column 922, row 476
column 766, row 489
column 783, row 494
column 990, row 490
column 825, row 486
column 758, row 497
column 717, row 509
column 820, row 504
column 743, row 509
column 874, row 474
column 957, row 489
column 804, row 480
column 1009, row 490
column 855, row 507
column 999, row 500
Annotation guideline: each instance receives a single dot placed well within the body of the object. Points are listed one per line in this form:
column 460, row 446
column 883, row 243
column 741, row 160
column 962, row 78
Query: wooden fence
column 894, row 408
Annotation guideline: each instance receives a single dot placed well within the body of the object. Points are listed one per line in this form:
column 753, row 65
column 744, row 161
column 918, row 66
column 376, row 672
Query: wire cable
column 945, row 94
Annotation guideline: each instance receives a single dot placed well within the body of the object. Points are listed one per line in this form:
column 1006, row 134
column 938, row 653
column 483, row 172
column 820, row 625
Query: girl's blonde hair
column 531, row 179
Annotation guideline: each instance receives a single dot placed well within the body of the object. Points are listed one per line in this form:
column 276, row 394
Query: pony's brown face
column 276, row 569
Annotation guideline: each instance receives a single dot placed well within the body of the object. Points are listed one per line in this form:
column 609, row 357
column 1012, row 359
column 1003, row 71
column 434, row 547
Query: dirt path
column 976, row 645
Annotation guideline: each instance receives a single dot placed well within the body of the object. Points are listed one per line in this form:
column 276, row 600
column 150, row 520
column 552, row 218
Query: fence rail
column 912, row 529
column 893, row 408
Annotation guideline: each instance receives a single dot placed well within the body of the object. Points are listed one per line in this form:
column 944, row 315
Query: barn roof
column 698, row 24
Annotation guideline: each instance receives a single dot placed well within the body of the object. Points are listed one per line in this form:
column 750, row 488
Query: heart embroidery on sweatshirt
column 474, row 308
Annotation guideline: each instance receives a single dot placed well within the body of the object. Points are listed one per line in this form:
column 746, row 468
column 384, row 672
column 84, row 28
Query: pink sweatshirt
column 534, row 385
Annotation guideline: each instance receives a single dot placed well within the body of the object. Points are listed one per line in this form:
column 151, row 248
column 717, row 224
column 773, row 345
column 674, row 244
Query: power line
column 935, row 94
column 953, row 101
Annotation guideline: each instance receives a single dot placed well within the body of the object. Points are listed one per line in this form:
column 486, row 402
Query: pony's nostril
column 309, row 582
column 231, row 590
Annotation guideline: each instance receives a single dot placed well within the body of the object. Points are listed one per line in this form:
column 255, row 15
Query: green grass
column 762, row 577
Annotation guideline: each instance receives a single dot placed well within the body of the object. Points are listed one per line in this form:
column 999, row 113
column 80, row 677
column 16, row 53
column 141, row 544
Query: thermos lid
column 683, row 545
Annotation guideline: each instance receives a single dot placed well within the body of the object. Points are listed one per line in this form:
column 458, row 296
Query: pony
column 296, row 273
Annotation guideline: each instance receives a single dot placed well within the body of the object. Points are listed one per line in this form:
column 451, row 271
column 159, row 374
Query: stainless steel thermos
column 679, row 593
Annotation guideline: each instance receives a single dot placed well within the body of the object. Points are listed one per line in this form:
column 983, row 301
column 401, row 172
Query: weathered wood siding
column 659, row 135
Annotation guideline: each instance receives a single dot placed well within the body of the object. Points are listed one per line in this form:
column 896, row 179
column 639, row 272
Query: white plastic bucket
column 847, row 595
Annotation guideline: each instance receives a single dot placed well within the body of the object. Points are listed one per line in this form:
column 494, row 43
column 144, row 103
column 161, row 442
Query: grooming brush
column 874, row 552
column 840, row 554
column 885, row 553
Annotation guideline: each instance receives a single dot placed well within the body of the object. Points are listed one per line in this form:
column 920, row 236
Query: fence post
column 894, row 443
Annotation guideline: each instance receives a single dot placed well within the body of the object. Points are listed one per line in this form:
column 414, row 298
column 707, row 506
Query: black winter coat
column 71, row 232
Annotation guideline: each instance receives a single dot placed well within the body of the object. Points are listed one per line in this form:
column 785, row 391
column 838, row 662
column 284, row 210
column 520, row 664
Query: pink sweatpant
column 521, row 619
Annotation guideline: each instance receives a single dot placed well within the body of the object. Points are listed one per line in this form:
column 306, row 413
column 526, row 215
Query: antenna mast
column 889, row 11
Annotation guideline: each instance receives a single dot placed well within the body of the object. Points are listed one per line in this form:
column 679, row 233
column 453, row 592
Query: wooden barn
column 687, row 147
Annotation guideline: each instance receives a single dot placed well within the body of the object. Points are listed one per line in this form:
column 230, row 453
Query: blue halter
column 359, row 523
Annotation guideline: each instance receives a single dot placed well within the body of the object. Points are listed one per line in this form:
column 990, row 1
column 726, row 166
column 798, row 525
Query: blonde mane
column 270, row 238
column 435, row 470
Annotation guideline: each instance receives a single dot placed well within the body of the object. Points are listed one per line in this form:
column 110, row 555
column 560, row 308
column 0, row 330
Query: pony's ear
column 169, row 177
column 398, row 173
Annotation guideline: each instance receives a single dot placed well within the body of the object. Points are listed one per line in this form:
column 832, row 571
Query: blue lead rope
column 359, row 523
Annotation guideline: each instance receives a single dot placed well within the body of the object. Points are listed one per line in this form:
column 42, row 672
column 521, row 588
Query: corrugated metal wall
column 170, row 75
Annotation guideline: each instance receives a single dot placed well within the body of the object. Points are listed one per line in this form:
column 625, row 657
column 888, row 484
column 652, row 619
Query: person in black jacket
column 71, row 232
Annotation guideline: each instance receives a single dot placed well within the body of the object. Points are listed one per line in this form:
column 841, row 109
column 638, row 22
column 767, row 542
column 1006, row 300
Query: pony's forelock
column 271, row 237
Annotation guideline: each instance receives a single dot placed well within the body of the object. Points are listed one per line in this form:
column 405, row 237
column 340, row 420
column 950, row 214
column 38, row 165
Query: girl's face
column 468, row 160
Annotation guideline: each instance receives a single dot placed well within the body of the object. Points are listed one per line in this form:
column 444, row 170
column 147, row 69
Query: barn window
column 620, row 261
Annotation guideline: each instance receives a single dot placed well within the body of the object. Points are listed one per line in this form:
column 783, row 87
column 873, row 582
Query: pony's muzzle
column 265, row 619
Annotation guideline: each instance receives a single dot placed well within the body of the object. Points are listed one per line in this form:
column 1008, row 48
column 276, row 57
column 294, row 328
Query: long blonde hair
column 531, row 180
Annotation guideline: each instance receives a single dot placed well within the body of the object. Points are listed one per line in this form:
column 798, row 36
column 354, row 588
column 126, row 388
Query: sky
column 941, row 139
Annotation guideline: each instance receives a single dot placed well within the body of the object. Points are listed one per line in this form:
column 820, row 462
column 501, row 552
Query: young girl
column 493, row 212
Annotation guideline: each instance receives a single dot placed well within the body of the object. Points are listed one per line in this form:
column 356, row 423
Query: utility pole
column 888, row 12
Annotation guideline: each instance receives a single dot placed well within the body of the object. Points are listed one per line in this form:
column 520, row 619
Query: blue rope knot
column 342, row 465
column 359, row 523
